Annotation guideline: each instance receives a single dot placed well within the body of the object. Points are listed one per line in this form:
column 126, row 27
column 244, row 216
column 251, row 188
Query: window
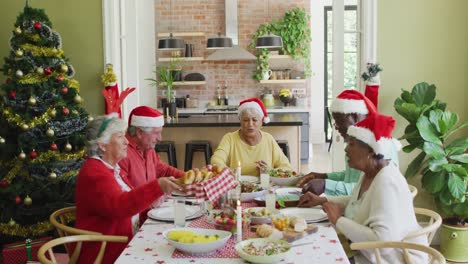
column 351, row 57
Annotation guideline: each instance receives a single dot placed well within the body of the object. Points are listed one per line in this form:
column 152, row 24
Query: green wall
column 423, row 40
column 80, row 25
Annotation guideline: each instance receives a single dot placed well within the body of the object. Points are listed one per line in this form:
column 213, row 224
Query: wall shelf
column 181, row 34
column 186, row 83
column 283, row 81
column 276, row 57
column 181, row 59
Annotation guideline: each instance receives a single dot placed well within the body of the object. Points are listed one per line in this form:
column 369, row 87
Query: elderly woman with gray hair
column 253, row 148
column 106, row 202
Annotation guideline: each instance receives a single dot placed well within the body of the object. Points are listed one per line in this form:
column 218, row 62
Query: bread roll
column 198, row 176
column 208, row 176
column 264, row 230
column 189, row 177
column 216, row 169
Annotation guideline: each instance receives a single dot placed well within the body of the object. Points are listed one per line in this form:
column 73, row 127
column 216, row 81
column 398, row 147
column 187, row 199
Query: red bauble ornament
column 12, row 94
column 33, row 154
column 37, row 25
column 47, row 71
column 17, row 200
column 85, row 155
column 65, row 111
column 64, row 90
column 60, row 78
column 3, row 183
column 53, row 146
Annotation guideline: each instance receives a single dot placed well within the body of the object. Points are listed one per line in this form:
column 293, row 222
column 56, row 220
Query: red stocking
column 372, row 92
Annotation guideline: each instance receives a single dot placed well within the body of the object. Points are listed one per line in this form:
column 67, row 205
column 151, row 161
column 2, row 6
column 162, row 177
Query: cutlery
column 300, row 245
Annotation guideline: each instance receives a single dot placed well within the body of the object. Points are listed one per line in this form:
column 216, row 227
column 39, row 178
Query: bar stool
column 167, row 146
column 284, row 145
column 197, row 146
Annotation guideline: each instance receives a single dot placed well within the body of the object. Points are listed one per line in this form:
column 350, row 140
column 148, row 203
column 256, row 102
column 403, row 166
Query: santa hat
column 144, row 116
column 376, row 131
column 256, row 104
column 352, row 101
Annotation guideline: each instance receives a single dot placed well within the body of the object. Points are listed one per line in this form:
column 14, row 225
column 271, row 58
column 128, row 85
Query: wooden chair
column 435, row 257
column 46, row 255
column 413, row 190
column 59, row 221
column 435, row 220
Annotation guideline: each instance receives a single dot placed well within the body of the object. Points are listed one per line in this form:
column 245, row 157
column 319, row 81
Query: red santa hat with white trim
column 376, row 131
column 350, row 102
column 145, row 116
column 256, row 104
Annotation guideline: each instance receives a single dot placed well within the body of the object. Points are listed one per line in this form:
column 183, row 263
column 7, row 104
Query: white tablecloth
column 149, row 246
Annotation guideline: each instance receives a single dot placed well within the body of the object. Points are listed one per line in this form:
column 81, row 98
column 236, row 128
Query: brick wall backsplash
column 208, row 16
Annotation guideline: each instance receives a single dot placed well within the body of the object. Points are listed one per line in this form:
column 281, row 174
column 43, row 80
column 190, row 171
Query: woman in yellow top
column 250, row 147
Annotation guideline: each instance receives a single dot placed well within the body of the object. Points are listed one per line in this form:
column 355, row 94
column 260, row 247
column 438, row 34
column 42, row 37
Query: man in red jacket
column 142, row 163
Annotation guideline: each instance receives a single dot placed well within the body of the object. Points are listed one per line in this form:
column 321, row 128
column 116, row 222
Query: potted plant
column 166, row 75
column 294, row 29
column 442, row 161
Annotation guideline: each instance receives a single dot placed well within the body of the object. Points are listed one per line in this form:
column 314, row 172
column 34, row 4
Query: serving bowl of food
column 260, row 215
column 284, row 177
column 196, row 240
column 250, row 191
column 263, row 250
column 227, row 220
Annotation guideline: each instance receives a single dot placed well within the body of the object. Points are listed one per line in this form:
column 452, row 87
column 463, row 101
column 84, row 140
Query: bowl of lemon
column 196, row 240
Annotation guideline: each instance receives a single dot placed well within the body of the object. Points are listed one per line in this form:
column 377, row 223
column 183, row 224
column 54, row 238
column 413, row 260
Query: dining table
column 149, row 246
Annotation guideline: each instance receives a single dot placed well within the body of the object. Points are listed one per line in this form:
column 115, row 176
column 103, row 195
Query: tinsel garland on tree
column 42, row 144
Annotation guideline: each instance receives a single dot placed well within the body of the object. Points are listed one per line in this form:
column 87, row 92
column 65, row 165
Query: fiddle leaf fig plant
column 294, row 29
column 442, row 161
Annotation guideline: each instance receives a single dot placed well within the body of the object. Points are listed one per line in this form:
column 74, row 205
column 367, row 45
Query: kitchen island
column 214, row 127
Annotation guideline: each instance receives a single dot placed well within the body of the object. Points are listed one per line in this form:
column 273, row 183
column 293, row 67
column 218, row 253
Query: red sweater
column 140, row 168
column 102, row 206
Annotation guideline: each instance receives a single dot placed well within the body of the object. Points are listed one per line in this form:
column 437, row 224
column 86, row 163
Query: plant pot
column 176, row 75
column 171, row 107
column 454, row 243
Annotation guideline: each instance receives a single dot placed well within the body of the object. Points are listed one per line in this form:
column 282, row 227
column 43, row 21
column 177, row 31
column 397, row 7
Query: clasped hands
column 333, row 210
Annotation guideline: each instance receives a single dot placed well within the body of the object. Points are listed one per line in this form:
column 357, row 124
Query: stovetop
column 222, row 108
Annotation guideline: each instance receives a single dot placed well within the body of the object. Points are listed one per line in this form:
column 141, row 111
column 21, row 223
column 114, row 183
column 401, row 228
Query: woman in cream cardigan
column 380, row 207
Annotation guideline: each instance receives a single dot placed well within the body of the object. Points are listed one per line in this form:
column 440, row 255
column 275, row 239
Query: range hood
column 232, row 31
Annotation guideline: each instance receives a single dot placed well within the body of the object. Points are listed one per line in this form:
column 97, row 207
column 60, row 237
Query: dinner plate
column 250, row 178
column 311, row 215
column 167, row 213
column 289, row 196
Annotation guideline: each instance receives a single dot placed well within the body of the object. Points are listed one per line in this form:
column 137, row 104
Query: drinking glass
column 179, row 211
column 265, row 180
column 270, row 200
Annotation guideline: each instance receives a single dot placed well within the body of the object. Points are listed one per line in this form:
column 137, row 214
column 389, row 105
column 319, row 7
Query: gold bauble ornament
column 52, row 175
column 32, row 101
column 11, row 222
column 54, row 50
column 40, row 70
column 18, row 30
column 64, row 68
column 24, row 127
column 75, row 112
column 77, row 99
column 19, row 53
column 27, row 200
column 68, row 147
column 19, row 73
column 2, row 140
column 22, row 155
column 50, row 132
column 90, row 118
column 53, row 113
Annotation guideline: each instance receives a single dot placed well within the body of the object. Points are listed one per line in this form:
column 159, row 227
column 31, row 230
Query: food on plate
column 227, row 220
column 282, row 173
column 281, row 222
column 263, row 212
column 264, row 230
column 298, row 223
column 269, row 248
column 248, row 187
column 190, row 237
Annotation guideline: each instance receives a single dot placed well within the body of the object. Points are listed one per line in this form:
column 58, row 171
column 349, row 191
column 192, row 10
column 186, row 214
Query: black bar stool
column 284, row 145
column 197, row 146
column 168, row 146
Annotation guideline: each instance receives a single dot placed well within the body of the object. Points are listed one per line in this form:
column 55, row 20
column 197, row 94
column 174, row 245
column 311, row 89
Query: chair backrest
column 59, row 221
column 413, row 190
column 45, row 254
column 435, row 220
column 435, row 257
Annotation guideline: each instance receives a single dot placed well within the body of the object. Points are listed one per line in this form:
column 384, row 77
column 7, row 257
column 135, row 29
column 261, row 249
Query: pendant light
column 171, row 43
column 219, row 42
column 269, row 40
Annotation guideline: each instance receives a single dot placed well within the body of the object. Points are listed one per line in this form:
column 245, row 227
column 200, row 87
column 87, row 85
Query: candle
column 239, row 222
column 238, row 171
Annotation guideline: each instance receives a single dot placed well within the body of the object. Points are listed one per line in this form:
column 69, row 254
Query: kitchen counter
column 226, row 120
column 276, row 109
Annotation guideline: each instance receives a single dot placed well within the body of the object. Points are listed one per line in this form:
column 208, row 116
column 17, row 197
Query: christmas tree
column 42, row 121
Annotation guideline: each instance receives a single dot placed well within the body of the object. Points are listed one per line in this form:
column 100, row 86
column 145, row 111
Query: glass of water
column 179, row 211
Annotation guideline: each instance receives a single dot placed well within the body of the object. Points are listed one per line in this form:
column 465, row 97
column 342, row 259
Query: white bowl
column 258, row 242
column 201, row 247
column 258, row 220
column 249, row 178
column 245, row 197
column 290, row 181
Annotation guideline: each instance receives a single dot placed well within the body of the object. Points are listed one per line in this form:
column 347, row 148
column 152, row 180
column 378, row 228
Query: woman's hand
column 262, row 166
column 309, row 177
column 168, row 185
column 310, row 200
column 315, row 186
column 333, row 210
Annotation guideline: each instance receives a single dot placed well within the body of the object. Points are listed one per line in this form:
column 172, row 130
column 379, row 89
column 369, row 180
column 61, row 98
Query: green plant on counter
column 165, row 76
column 442, row 162
column 294, row 29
